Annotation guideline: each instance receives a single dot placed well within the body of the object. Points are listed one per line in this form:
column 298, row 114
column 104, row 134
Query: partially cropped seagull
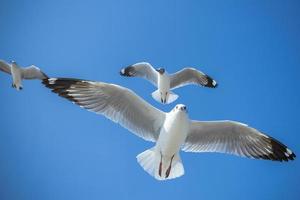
column 170, row 131
column 165, row 82
column 18, row 73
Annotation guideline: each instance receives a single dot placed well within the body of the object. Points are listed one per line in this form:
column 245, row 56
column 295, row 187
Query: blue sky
column 52, row 149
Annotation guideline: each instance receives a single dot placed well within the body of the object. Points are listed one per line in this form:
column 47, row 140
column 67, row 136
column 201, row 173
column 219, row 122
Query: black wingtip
column 60, row 86
column 281, row 152
column 211, row 83
column 127, row 71
column 45, row 81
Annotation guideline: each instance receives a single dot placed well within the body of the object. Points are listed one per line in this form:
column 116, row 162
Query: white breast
column 16, row 74
column 163, row 82
column 173, row 133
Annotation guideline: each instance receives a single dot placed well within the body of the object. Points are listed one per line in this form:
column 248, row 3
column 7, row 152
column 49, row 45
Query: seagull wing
column 117, row 103
column 33, row 72
column 188, row 76
column 142, row 70
column 5, row 67
column 234, row 138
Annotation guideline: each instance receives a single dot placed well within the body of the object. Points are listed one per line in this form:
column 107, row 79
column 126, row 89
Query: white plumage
column 17, row 73
column 170, row 131
column 165, row 82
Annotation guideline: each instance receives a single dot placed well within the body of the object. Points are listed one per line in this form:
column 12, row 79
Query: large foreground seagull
column 172, row 131
column 166, row 82
column 18, row 73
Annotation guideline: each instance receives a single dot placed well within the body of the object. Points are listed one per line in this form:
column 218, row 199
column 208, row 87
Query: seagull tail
column 171, row 97
column 150, row 162
column 156, row 95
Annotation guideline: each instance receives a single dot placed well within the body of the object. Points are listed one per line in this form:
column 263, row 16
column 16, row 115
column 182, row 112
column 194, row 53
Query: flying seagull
column 172, row 131
column 166, row 82
column 18, row 73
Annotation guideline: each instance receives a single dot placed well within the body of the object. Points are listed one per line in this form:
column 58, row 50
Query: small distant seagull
column 165, row 82
column 170, row 131
column 31, row 72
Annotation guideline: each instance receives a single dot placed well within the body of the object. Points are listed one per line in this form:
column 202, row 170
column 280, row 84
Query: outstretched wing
column 117, row 103
column 142, row 70
column 188, row 76
column 33, row 72
column 5, row 67
column 234, row 138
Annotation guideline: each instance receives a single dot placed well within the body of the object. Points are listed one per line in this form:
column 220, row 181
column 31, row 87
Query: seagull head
column 160, row 70
column 180, row 108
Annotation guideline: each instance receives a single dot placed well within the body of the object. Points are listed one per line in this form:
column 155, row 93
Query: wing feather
column 117, row 103
column 33, row 72
column 234, row 138
column 5, row 67
column 188, row 76
column 142, row 70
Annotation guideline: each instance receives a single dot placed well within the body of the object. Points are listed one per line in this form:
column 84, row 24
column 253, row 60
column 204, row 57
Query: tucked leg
column 169, row 168
column 160, row 165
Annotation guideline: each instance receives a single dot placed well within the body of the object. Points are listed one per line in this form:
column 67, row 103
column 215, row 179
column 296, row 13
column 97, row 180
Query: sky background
column 52, row 149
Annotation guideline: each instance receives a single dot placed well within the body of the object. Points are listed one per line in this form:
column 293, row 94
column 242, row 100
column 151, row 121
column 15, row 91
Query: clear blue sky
column 52, row 149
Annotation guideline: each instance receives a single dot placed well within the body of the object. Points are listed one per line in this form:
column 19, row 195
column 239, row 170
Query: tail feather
column 150, row 159
column 147, row 159
column 156, row 95
column 171, row 97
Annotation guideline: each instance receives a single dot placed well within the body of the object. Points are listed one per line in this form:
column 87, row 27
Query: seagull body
column 172, row 135
column 165, row 82
column 18, row 73
column 172, row 131
column 163, row 93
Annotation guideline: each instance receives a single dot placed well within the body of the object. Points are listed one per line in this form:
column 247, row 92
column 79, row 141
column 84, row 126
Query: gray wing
column 188, row 76
column 234, row 138
column 5, row 67
column 33, row 72
column 142, row 70
column 117, row 103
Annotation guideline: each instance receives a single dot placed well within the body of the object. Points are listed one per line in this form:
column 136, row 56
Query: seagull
column 172, row 131
column 18, row 73
column 165, row 82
